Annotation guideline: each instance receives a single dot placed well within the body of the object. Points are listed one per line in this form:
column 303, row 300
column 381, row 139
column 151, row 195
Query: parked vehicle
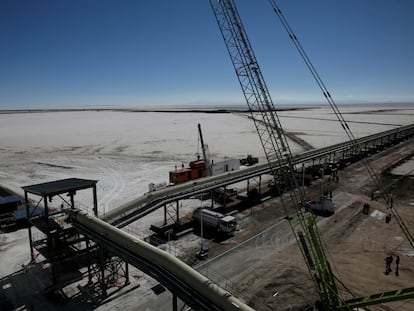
column 212, row 220
column 249, row 160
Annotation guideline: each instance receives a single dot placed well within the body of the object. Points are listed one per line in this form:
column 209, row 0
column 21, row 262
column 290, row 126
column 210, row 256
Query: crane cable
column 312, row 69
column 341, row 119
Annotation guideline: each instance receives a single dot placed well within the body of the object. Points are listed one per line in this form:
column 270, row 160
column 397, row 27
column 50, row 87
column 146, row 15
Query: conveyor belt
column 148, row 203
column 190, row 286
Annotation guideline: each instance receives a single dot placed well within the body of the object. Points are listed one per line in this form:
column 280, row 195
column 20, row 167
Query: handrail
column 149, row 202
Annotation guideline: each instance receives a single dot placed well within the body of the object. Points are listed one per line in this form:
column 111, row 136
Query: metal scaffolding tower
column 61, row 244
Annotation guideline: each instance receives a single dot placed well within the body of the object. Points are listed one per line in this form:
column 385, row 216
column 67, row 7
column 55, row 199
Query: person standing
column 387, row 265
column 388, row 261
column 397, row 263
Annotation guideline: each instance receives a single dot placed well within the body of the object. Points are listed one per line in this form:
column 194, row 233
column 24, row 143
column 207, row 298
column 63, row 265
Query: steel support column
column 174, row 302
column 32, row 258
column 95, row 201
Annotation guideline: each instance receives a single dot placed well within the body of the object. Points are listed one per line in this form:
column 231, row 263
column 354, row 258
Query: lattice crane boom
column 277, row 151
column 357, row 148
column 275, row 145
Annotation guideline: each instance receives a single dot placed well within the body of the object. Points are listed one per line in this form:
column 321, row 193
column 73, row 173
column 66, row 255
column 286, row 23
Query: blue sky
column 82, row 53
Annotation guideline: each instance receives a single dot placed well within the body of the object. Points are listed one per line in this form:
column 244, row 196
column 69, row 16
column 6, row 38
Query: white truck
column 215, row 221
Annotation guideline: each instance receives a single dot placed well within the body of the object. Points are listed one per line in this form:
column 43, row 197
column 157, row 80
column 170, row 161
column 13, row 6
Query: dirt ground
column 356, row 245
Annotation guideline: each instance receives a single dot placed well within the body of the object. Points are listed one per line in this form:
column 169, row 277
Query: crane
column 276, row 148
column 385, row 195
column 204, row 148
column 275, row 145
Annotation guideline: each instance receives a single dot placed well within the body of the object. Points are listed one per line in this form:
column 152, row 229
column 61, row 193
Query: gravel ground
column 356, row 245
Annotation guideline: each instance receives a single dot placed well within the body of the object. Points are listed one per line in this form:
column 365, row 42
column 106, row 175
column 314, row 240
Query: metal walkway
column 150, row 202
column 182, row 281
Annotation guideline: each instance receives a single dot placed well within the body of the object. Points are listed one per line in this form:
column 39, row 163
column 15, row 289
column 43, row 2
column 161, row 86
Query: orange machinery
column 196, row 170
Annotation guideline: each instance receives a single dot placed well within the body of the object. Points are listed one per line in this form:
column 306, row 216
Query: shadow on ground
column 27, row 289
